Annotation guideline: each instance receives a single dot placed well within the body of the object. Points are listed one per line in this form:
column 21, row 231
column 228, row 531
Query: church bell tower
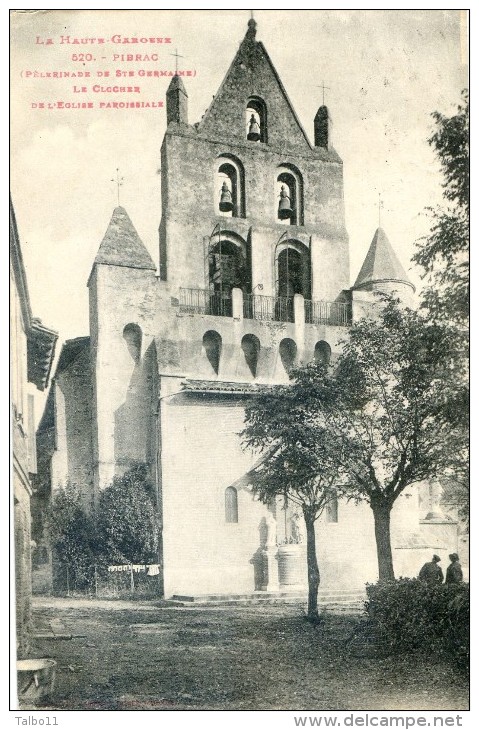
column 249, row 203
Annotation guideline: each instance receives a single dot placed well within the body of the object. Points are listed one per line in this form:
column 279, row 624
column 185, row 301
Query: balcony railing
column 256, row 306
column 279, row 309
column 333, row 313
column 204, row 301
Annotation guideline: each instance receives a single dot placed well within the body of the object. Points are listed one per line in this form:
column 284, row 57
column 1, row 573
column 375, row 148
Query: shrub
column 411, row 615
column 73, row 539
column 127, row 519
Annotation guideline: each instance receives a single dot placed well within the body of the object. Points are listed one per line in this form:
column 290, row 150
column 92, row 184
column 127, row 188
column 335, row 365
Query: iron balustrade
column 257, row 306
column 336, row 314
column 205, row 301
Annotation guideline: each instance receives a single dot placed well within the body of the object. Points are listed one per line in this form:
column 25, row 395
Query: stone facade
column 31, row 353
column 254, row 278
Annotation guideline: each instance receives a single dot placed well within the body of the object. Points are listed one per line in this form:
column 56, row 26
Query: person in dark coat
column 454, row 570
column 431, row 573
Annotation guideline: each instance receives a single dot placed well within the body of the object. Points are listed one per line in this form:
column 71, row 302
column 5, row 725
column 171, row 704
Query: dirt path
column 140, row 656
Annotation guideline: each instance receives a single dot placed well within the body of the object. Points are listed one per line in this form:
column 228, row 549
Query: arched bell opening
column 256, row 121
column 230, row 193
column 250, row 345
column 289, row 196
column 228, row 269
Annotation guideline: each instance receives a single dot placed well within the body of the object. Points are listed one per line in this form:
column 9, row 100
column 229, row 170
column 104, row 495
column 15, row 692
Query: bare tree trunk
column 313, row 569
column 382, row 531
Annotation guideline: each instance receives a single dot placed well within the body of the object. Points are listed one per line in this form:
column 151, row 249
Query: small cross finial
column 380, row 206
column 119, row 182
column 177, row 56
column 323, row 87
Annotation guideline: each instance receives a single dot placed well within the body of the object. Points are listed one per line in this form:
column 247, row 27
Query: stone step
column 265, row 597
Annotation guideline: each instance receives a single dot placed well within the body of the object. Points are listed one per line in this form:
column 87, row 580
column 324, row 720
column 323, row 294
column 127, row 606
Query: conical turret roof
column 121, row 244
column 381, row 264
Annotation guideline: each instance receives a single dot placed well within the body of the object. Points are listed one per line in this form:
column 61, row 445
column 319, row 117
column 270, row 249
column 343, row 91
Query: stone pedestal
column 270, row 569
column 290, row 567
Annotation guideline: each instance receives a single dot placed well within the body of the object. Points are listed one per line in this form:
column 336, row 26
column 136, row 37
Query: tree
column 443, row 255
column 127, row 519
column 383, row 420
column 391, row 404
column 300, row 463
column 72, row 535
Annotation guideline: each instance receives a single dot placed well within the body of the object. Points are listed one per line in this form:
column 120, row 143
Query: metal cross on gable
column 177, row 56
column 119, row 182
column 323, row 87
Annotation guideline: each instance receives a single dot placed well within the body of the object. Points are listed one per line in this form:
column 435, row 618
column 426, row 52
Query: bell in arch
column 284, row 210
column 254, row 133
column 226, row 201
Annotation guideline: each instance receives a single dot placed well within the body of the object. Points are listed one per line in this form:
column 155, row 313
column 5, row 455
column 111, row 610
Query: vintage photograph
column 239, row 310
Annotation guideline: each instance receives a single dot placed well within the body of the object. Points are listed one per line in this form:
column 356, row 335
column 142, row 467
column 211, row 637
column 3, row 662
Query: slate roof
column 41, row 342
column 122, row 246
column 381, row 264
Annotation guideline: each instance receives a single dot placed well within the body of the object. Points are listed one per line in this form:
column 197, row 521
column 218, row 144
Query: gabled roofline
column 280, row 83
column 286, row 97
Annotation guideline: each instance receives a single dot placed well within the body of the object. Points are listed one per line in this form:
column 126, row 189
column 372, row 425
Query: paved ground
column 128, row 655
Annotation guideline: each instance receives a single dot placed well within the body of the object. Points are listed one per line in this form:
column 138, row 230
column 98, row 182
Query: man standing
column 431, row 573
column 454, row 570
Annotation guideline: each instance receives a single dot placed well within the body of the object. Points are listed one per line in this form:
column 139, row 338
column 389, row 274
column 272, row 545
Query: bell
column 284, row 209
column 254, row 133
column 226, row 201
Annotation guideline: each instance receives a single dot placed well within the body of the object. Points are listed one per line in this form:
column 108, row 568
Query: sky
column 387, row 71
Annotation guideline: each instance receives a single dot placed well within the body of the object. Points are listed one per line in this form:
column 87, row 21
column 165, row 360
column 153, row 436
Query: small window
column 332, row 510
column 322, row 353
column 132, row 336
column 288, row 352
column 212, row 343
column 251, row 347
column 231, row 504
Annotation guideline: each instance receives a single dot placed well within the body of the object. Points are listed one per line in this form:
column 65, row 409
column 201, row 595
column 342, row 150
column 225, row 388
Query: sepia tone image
column 239, row 331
